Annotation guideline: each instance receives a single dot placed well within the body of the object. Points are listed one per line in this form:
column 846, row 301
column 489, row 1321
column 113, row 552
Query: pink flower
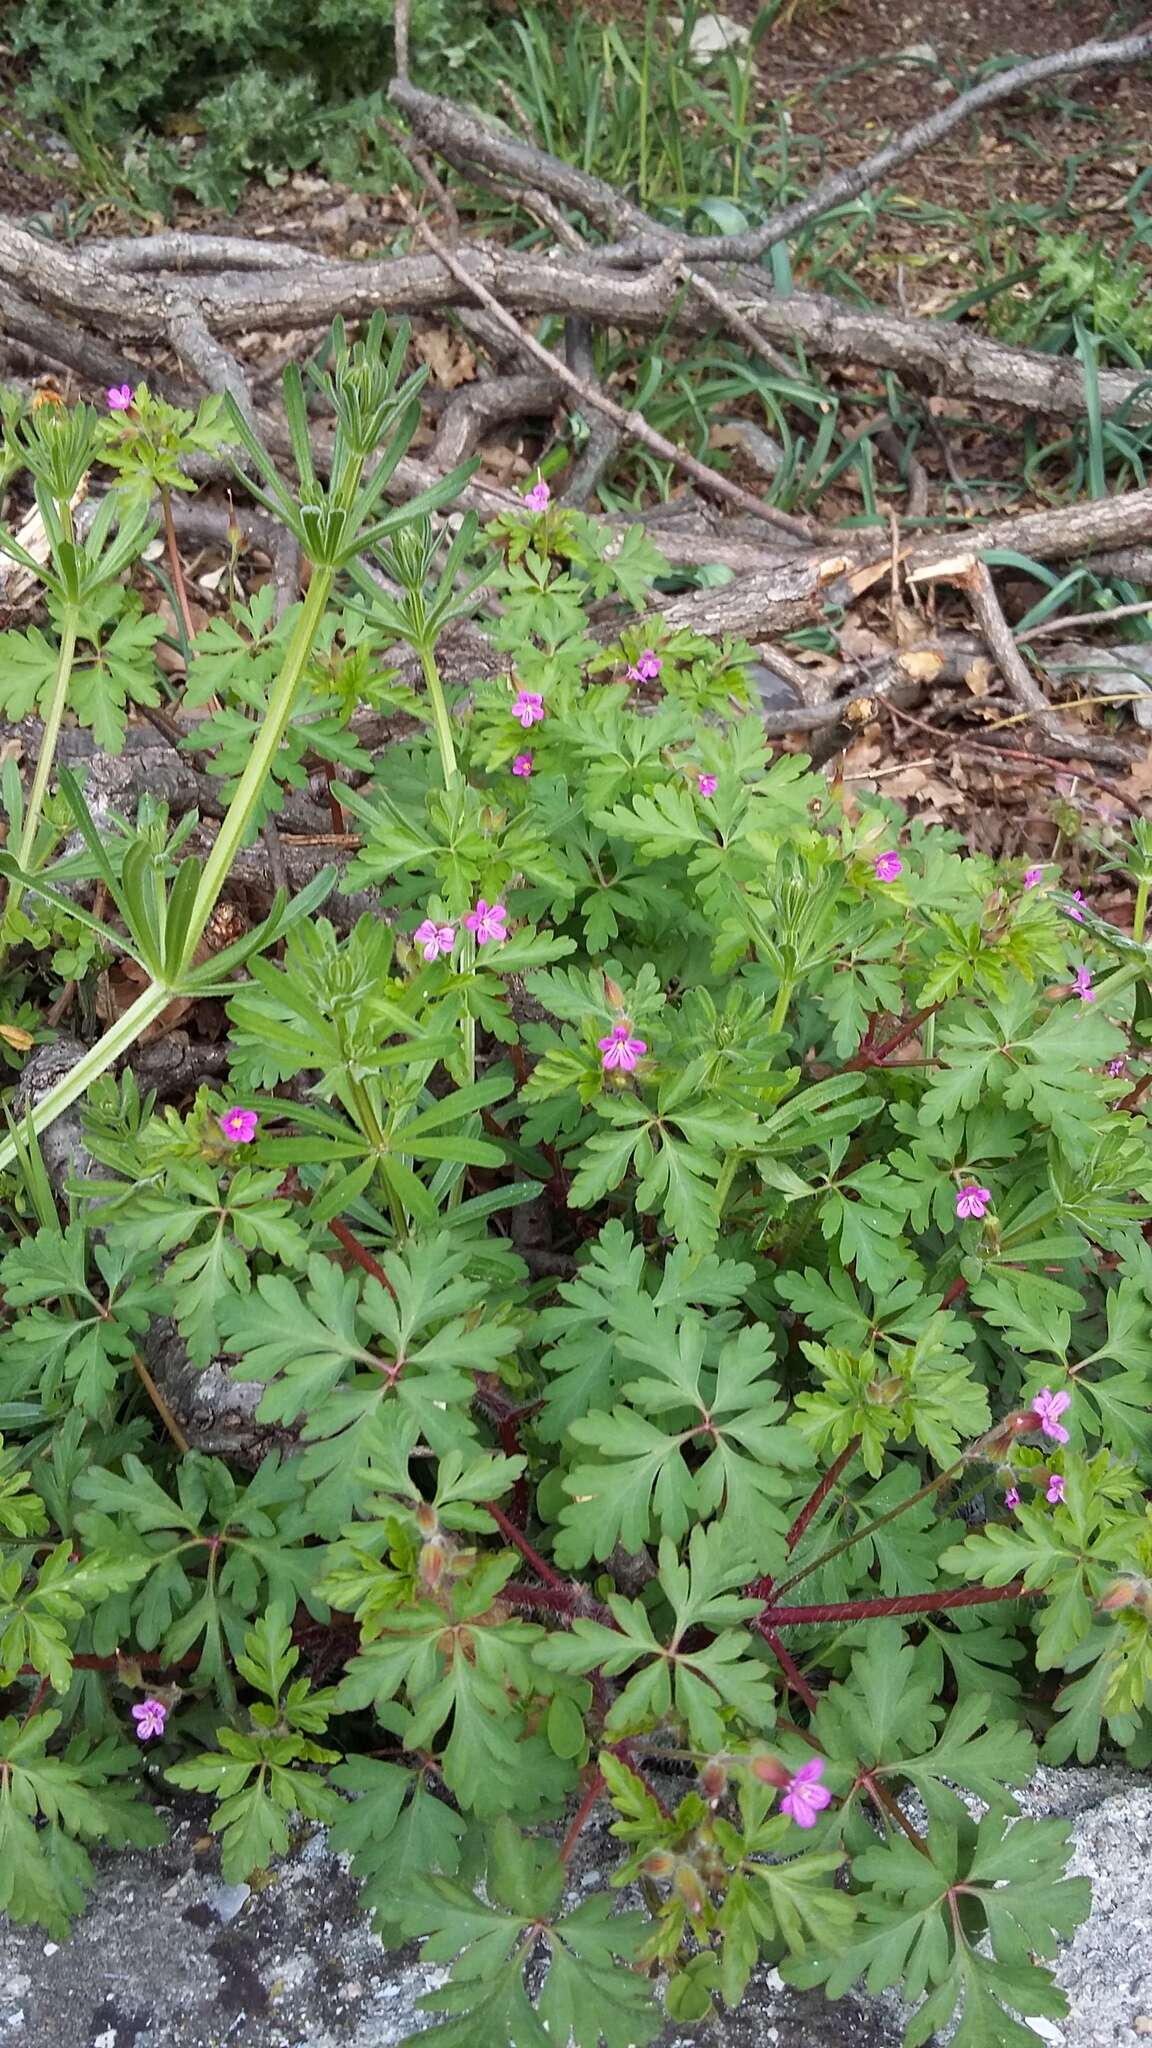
column 1012, row 1497
column 537, row 498
column 1083, row 986
column 1048, row 1407
column 434, row 939
column 806, row 1796
column 149, row 1717
column 646, row 667
column 119, row 397
column 528, row 708
column 707, row 784
column 972, row 1201
column 888, row 866
column 620, row 1049
column 1115, row 1068
column 1033, row 877
column 487, row 921
column 239, row 1125
column 1070, row 908
column 522, row 765
column 1055, row 1491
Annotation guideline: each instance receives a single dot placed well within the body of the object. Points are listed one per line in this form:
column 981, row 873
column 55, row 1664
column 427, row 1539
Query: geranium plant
column 688, row 1242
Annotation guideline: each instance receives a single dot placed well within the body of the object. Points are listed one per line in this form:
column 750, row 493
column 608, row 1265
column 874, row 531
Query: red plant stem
column 36, row 1703
column 793, row 1675
column 903, row 1603
column 954, row 1292
column 816, row 1500
column 891, row 1805
column 1135, row 1095
column 568, row 1599
column 876, row 1055
column 579, row 1819
column 360, row 1253
column 539, row 1564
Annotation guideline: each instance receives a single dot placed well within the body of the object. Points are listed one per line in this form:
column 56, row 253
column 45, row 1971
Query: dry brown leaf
column 922, row 664
column 447, row 355
column 12, row 1035
column 978, row 676
column 860, row 643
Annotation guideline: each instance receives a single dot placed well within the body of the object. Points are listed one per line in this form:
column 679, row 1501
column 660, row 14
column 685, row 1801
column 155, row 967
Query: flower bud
column 613, row 992
column 687, row 1883
column 431, row 1565
column 714, row 1779
column 1127, row 1591
column 427, row 1520
column 888, row 1391
column 661, row 1863
column 769, row 1771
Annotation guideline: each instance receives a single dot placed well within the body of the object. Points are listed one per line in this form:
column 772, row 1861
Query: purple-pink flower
column 528, row 708
column 1012, row 1497
column 434, row 939
column 1033, row 877
column 149, row 1717
column 646, row 667
column 1083, row 986
column 1115, row 1068
column 487, row 921
column 522, row 765
column 119, row 397
column 1055, row 1491
column 620, row 1049
column 537, row 499
column 1071, row 909
column 805, row 1796
column 972, row 1201
column 888, row 867
column 239, row 1125
column 1049, row 1407
column 707, row 785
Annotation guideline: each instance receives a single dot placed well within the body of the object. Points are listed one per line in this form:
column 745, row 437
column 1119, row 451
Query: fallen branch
column 630, row 422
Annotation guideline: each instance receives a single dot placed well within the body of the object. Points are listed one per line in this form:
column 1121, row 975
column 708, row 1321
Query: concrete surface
column 170, row 1957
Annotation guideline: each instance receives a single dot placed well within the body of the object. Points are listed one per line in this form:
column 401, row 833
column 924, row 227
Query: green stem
column 96, row 1061
column 440, row 717
column 724, row 1183
column 783, row 999
column 1140, row 912
column 868, row 1528
column 267, row 745
column 48, row 743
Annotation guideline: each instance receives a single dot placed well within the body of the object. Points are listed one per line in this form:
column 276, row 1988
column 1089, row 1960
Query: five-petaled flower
column 1033, row 877
column 528, row 708
column 239, row 1125
column 1072, row 908
column 538, row 497
column 1049, row 1407
column 645, row 668
column 1055, row 1491
column 149, row 1717
column 620, row 1049
column 522, row 765
column 707, row 785
column 119, row 397
column 434, row 939
column 1012, row 1497
column 487, row 921
column 888, row 867
column 806, row 1796
column 1083, row 986
column 972, row 1201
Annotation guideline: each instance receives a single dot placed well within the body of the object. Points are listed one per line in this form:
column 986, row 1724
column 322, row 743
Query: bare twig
column 988, row 751
column 1059, row 627
column 834, row 190
column 190, row 337
column 734, row 319
column 632, row 423
column 1019, row 678
column 475, row 408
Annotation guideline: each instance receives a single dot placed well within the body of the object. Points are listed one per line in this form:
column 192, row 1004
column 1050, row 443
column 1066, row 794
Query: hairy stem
column 902, row 1603
column 48, row 743
column 177, row 568
column 440, row 718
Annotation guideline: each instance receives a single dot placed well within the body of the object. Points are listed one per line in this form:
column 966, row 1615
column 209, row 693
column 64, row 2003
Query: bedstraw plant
column 685, row 1245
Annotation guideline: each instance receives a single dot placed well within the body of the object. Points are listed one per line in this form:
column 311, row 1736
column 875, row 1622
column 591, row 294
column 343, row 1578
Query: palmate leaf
column 728, row 1416
column 922, row 1918
column 78, row 1797
column 395, row 1830
column 588, row 1998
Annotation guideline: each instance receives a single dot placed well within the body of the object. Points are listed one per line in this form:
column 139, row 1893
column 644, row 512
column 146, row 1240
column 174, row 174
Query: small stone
column 1046, row 2031
column 227, row 1901
column 51, row 1948
column 18, row 1985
